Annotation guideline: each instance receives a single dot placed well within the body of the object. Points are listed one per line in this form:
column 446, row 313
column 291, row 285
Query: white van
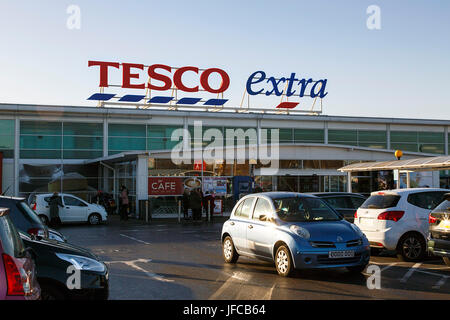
column 74, row 209
column 398, row 220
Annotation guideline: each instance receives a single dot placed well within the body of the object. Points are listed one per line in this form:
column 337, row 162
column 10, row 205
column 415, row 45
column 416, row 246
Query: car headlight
column 82, row 263
column 358, row 230
column 301, row 232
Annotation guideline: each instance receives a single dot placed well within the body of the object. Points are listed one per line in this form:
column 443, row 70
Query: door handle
column 232, row 223
column 250, row 227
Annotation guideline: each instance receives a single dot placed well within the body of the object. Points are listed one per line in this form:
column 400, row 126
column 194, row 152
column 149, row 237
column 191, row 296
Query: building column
column 388, row 136
column 141, row 179
column 16, row 155
column 349, row 181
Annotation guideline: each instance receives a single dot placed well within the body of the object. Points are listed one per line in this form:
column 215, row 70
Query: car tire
column 411, row 247
column 283, row 261
column 49, row 292
column 357, row 269
column 229, row 251
column 94, row 219
column 446, row 260
column 44, row 219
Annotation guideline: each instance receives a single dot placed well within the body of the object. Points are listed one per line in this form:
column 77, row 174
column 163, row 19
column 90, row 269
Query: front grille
column 323, row 259
column 354, row 243
column 322, row 244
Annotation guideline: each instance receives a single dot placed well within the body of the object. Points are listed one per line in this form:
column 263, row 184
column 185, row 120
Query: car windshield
column 443, row 207
column 380, row 202
column 304, row 209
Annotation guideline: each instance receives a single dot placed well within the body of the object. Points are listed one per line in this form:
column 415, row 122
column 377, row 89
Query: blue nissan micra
column 294, row 230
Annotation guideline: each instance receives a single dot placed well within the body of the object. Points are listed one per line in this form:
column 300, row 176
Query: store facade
column 81, row 150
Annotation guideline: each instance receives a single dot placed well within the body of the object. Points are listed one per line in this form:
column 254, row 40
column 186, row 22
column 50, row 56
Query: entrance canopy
column 417, row 164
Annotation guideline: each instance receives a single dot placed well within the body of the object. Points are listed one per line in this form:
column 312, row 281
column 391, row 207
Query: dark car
column 18, row 279
column 439, row 230
column 26, row 220
column 53, row 259
column 345, row 203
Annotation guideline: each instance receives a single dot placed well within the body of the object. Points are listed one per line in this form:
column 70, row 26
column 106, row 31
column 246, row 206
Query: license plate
column 341, row 254
column 366, row 222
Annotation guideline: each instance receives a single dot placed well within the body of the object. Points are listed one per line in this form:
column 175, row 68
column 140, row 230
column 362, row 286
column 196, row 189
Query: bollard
column 209, row 213
column 146, row 211
column 179, row 210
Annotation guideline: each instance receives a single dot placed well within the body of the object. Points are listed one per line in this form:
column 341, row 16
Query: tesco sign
column 129, row 73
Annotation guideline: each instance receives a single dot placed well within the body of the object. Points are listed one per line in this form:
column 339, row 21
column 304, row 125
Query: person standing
column 125, row 203
column 195, row 202
column 185, row 200
column 55, row 202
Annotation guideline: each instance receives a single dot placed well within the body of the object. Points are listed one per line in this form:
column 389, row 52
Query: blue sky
column 401, row 70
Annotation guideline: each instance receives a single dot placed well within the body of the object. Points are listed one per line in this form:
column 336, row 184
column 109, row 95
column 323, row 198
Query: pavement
column 171, row 261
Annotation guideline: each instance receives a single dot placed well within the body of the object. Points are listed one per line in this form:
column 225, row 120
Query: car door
column 74, row 210
column 241, row 222
column 260, row 233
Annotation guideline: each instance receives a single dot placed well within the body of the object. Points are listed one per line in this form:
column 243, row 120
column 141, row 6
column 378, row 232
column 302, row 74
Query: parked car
column 294, row 230
column 345, row 203
column 52, row 261
column 18, row 279
column 26, row 220
column 74, row 209
column 398, row 220
column 439, row 235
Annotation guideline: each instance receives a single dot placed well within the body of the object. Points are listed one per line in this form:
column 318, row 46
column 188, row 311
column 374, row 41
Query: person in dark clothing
column 125, row 202
column 195, row 202
column 186, row 205
column 55, row 202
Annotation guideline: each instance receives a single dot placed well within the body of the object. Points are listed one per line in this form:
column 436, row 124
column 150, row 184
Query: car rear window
column 10, row 239
column 381, row 201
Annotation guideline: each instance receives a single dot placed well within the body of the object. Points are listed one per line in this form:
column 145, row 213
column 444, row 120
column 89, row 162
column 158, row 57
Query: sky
column 400, row 70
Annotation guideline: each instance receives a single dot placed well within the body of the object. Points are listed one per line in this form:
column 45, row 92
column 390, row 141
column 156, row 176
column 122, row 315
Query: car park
column 398, row 220
column 294, row 230
column 18, row 279
column 346, row 203
column 439, row 235
column 74, row 209
column 53, row 258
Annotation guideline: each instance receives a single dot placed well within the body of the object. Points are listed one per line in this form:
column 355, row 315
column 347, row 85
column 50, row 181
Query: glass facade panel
column 427, row 142
column 309, row 136
column 126, row 144
column 347, row 137
column 41, row 128
column 126, row 130
column 86, row 143
column 40, row 142
column 83, row 129
column 7, row 138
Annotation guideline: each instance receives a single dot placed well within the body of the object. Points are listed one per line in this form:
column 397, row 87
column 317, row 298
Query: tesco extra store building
column 80, row 150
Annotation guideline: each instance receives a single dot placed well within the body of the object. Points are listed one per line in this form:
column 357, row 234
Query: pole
column 209, row 212
column 179, row 210
column 146, row 211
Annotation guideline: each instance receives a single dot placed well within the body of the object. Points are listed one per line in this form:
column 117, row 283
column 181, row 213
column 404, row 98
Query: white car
column 398, row 220
column 74, row 209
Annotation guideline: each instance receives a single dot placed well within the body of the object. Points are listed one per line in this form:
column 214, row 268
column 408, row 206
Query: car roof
column 279, row 194
column 334, row 194
column 12, row 198
column 407, row 191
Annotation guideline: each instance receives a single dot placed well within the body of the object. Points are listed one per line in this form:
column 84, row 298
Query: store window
column 309, row 136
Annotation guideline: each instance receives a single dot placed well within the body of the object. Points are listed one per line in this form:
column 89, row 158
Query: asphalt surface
column 167, row 260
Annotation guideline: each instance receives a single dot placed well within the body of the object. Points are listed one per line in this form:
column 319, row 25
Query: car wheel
column 44, row 219
column 52, row 293
column 94, row 219
column 229, row 251
column 283, row 261
column 411, row 247
column 446, row 260
column 357, row 269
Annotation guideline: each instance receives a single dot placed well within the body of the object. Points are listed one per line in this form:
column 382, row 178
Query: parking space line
column 132, row 264
column 132, row 238
column 389, row 266
column 410, row 272
column 440, row 283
